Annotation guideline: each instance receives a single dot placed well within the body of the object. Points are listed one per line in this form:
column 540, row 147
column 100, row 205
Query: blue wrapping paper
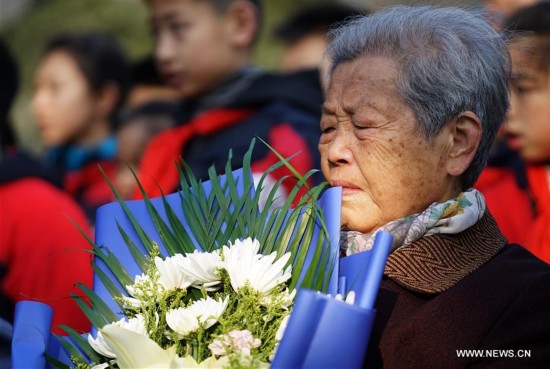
column 31, row 334
column 325, row 333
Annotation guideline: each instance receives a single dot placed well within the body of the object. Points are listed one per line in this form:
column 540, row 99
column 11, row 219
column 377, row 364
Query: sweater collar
column 435, row 263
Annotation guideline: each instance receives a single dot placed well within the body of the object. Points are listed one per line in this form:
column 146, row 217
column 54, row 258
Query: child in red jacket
column 203, row 49
column 528, row 129
column 80, row 83
column 42, row 253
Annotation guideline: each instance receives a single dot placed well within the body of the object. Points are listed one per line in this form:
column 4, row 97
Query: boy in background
column 203, row 49
column 304, row 33
column 528, row 128
column 151, row 107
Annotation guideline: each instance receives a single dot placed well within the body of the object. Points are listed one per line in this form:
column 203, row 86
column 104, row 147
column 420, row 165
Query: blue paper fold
column 325, row 333
column 31, row 334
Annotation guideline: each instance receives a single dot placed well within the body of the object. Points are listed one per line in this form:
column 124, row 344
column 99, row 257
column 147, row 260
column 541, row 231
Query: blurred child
column 498, row 11
column 203, row 49
column 42, row 254
column 528, row 129
column 148, row 85
column 79, row 85
column 304, row 34
column 151, row 107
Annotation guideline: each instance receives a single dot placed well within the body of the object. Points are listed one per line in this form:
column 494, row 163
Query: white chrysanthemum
column 201, row 267
column 135, row 324
column 262, row 272
column 203, row 312
column 171, row 271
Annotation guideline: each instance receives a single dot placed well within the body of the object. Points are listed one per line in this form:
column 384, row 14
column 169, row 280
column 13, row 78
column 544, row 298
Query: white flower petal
column 171, row 271
column 262, row 272
column 100, row 345
column 201, row 268
column 137, row 351
column 350, row 298
column 203, row 312
column 282, row 328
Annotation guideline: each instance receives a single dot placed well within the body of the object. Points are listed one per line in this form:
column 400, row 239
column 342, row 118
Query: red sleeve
column 539, row 234
column 509, row 204
column 44, row 252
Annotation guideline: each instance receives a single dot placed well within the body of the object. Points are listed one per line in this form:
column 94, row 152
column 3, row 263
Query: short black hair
column 534, row 18
column 99, row 57
column 314, row 19
column 145, row 72
column 533, row 22
column 224, row 4
column 10, row 84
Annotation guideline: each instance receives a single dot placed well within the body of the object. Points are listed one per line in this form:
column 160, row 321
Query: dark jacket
column 468, row 291
column 282, row 110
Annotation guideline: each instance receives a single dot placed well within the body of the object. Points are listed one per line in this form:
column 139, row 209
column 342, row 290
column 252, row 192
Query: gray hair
column 451, row 61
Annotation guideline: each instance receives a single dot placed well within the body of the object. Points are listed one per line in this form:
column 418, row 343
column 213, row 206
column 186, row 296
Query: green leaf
column 81, row 343
column 135, row 224
column 137, row 254
column 114, row 265
column 94, row 317
column 71, row 350
column 56, row 363
column 168, row 238
column 98, row 304
column 113, row 290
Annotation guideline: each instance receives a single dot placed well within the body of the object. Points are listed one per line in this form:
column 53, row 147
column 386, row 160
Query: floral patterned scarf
column 450, row 217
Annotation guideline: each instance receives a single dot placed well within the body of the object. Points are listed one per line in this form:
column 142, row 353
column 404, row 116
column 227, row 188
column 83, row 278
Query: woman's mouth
column 348, row 188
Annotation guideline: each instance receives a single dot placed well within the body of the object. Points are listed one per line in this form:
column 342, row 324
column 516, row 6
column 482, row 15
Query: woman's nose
column 339, row 148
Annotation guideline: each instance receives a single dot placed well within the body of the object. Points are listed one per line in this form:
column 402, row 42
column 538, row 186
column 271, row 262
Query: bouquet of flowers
column 221, row 308
column 216, row 282
column 207, row 277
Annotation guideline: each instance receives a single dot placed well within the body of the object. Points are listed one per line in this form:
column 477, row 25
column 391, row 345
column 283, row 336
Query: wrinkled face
column 62, row 102
column 370, row 145
column 528, row 127
column 192, row 45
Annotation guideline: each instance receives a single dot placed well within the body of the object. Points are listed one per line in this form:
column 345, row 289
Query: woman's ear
column 465, row 136
column 243, row 23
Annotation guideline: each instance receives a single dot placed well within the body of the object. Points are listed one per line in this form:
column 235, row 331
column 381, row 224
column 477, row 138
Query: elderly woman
column 415, row 96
